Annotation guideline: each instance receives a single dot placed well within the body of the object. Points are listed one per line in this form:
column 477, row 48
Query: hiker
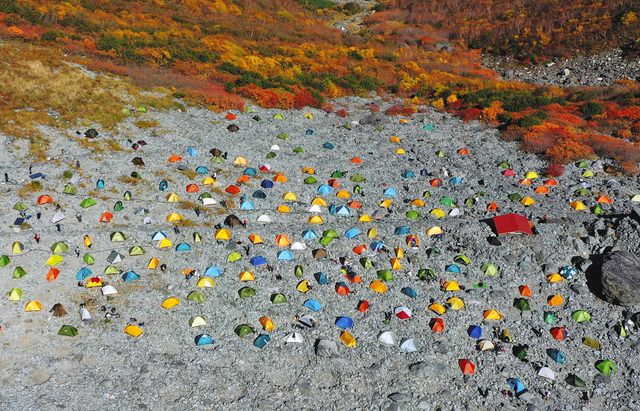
column 37, row 238
column 31, row 169
column 77, row 252
column 79, row 217
column 58, row 227
column 38, row 215
column 6, row 177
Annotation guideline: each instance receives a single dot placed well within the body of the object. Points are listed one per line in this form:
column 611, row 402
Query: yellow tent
column 33, row 306
column 54, row 260
column 492, row 315
column 531, row 175
column 365, row 218
column 153, row 263
column 437, row 213
column 578, row 205
column 455, row 303
column 280, row 178
column 418, row 202
column 386, row 203
column 290, row 196
column 308, row 170
column 133, row 330
column 394, row 139
column 319, row 201
column 255, row 239
column 348, row 339
column 435, row 230
column 87, row 241
column 400, row 151
column 527, row 201
column 395, row 264
column 378, row 286
column 174, row 217
column 451, row 286
column 343, row 194
column 173, row 198
column 247, row 276
column 208, row 181
column 267, row 323
column 206, row 282
column 282, row 240
column 437, row 308
column 303, row 286
column 240, row 161
column 371, row 233
column 164, row 243
column 170, row 302
column 283, row 209
column 223, row 234
column 554, row 278
column 316, row 219
column 17, row 247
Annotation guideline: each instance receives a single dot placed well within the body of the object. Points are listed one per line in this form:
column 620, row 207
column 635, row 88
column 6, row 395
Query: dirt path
column 353, row 24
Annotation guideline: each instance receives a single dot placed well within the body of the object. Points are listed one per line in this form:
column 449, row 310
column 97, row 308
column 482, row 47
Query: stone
column 620, row 278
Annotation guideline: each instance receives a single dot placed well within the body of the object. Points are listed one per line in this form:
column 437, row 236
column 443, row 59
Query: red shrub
column 400, row 110
column 555, row 170
column 302, row 98
column 342, row 112
column 470, row 114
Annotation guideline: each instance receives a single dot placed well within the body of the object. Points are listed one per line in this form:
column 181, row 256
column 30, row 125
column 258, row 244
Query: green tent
column 117, row 237
column 298, row 271
column 338, row 174
column 447, row 201
column 580, row 316
column 357, row 178
column 597, row 210
column 278, row 116
column 520, row 351
column 270, row 155
column 136, row 250
column 59, row 247
column 440, row 153
column 118, row 206
column 575, row 381
column 197, row 237
column 20, row 206
column 127, row 195
column 69, row 189
column 283, row 136
column 431, row 251
column 412, row 215
column 549, row 317
column 462, row 259
column 4, row 260
column 470, row 202
column 310, row 180
column 582, row 192
column 88, row 259
column 504, row 165
column 19, row 272
column 515, row 197
column 196, row 296
column 606, row 367
column 246, row 292
column 217, row 159
column 278, row 298
column 331, row 233
column 522, row 304
column 325, row 241
column 243, row 330
column 366, row 263
column 298, row 150
column 68, row 331
column 111, row 270
column 426, row 273
column 490, row 269
column 234, row 256
column 385, row 275
column 592, row 343
column 88, row 202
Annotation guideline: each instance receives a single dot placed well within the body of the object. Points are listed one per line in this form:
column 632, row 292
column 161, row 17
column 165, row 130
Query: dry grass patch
column 30, row 188
column 145, row 124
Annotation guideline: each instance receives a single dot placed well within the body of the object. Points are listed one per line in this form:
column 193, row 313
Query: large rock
column 621, row 278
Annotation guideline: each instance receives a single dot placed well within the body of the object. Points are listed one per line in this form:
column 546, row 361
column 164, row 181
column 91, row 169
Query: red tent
column 512, row 224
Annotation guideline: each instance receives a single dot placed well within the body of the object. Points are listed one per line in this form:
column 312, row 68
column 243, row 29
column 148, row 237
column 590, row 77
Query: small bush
column 591, row 109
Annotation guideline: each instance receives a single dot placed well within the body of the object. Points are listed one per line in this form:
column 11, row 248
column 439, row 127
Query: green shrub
column 591, row 109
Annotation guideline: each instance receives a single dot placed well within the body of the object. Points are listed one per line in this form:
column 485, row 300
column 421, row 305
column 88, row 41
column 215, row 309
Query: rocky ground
column 102, row 367
column 599, row 70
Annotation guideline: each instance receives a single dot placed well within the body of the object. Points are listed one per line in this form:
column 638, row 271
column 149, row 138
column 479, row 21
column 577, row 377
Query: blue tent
column 344, row 322
column 309, row 132
column 203, row 339
column 352, row 233
column 259, row 194
column 343, row 210
column 83, row 273
column 202, row 170
column 158, row 235
column 401, row 230
column 285, row 255
column 183, row 247
column 455, row 181
column 321, row 278
column 390, row 192
column 453, row 268
column 192, row 151
column 213, row 272
column 261, row 340
column 409, row 292
column 258, row 260
column 100, row 184
column 313, row 305
column 266, row 184
column 556, row 355
column 408, row 174
column 377, row 246
column 516, row 385
column 309, row 234
column 247, row 205
column 163, row 185
column 325, row 189
column 332, row 209
column 130, row 276
column 249, row 171
column 328, row 146
column 19, row 221
column 474, row 331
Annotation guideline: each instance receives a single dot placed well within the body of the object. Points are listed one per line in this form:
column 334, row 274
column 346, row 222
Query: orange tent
column 45, row 199
column 542, row 190
column 174, row 158
column 333, row 183
column 466, row 366
column 356, row 160
column 602, row 199
column 280, row 178
column 524, row 290
column 106, row 217
column 359, row 249
column 230, row 116
column 52, row 274
column 492, row 207
column 551, row 182
column 233, row 190
column 282, row 240
column 464, row 152
column 342, row 289
column 363, row 306
column 242, row 179
column 435, row 182
column 354, row 204
column 559, row 333
column 193, row 188
column 437, row 325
